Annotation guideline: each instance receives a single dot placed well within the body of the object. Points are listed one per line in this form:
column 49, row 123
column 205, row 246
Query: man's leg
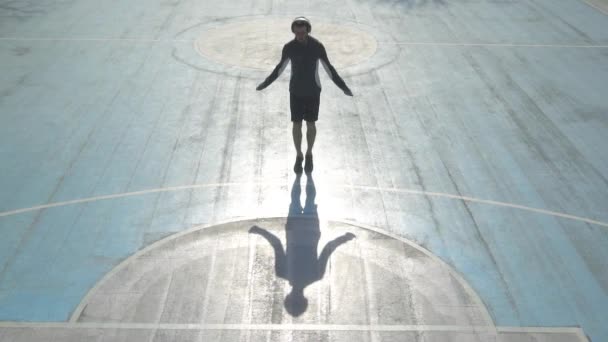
column 296, row 132
column 311, row 116
column 311, row 134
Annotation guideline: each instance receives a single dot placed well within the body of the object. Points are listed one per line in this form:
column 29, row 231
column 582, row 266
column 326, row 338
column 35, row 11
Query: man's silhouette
column 304, row 52
column 300, row 263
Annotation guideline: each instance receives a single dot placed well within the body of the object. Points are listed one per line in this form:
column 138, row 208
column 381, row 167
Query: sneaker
column 308, row 164
column 297, row 167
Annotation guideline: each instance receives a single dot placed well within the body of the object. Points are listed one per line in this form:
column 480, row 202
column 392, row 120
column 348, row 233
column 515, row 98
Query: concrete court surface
column 148, row 192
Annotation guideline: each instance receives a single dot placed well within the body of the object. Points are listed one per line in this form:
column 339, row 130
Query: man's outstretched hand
column 348, row 92
column 255, row 230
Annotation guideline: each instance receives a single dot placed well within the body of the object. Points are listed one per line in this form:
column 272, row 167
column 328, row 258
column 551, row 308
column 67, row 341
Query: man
column 304, row 52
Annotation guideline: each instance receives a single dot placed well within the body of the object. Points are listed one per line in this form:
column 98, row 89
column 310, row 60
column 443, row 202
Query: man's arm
column 280, row 260
column 331, row 71
column 277, row 70
column 330, row 248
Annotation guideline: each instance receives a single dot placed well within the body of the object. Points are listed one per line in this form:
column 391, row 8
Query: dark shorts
column 304, row 108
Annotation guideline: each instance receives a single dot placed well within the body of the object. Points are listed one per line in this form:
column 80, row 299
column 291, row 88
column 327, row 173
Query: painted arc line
column 484, row 201
column 356, row 187
column 588, row 46
column 289, row 327
column 77, row 313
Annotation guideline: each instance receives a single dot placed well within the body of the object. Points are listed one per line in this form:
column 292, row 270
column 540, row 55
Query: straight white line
column 288, row 327
column 97, row 39
column 586, row 46
column 571, row 330
column 580, row 334
column 501, row 45
column 356, row 187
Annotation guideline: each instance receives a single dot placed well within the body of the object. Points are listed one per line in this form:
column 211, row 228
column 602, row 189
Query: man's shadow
column 300, row 263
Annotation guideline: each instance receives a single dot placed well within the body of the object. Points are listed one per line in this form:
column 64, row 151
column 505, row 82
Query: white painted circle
column 257, row 43
column 250, row 47
column 184, row 277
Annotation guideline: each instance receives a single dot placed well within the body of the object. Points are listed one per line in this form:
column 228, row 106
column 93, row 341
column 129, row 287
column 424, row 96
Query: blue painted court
column 136, row 154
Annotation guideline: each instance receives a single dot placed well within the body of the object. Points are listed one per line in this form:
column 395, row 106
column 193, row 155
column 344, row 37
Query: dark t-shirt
column 305, row 67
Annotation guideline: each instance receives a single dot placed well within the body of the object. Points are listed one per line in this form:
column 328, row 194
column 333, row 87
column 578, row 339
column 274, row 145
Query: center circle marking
column 250, row 47
column 257, row 44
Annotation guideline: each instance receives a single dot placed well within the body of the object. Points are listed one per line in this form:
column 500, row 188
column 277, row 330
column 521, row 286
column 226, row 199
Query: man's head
column 295, row 302
column 301, row 28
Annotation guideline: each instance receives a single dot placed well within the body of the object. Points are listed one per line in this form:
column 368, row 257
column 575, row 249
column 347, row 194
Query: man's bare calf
column 311, row 133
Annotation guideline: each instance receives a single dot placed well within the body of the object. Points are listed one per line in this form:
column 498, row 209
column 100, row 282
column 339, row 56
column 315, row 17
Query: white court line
column 578, row 332
column 548, row 330
column 96, row 39
column 356, row 187
column 585, row 46
column 288, row 327
column 121, row 195
column 588, row 46
column 77, row 313
column 483, row 201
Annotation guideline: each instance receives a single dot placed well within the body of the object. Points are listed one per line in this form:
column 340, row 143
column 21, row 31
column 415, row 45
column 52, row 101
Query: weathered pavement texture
column 476, row 137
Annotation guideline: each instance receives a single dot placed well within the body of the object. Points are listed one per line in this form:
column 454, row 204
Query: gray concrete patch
column 250, row 46
column 229, row 282
column 224, row 274
column 257, row 43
